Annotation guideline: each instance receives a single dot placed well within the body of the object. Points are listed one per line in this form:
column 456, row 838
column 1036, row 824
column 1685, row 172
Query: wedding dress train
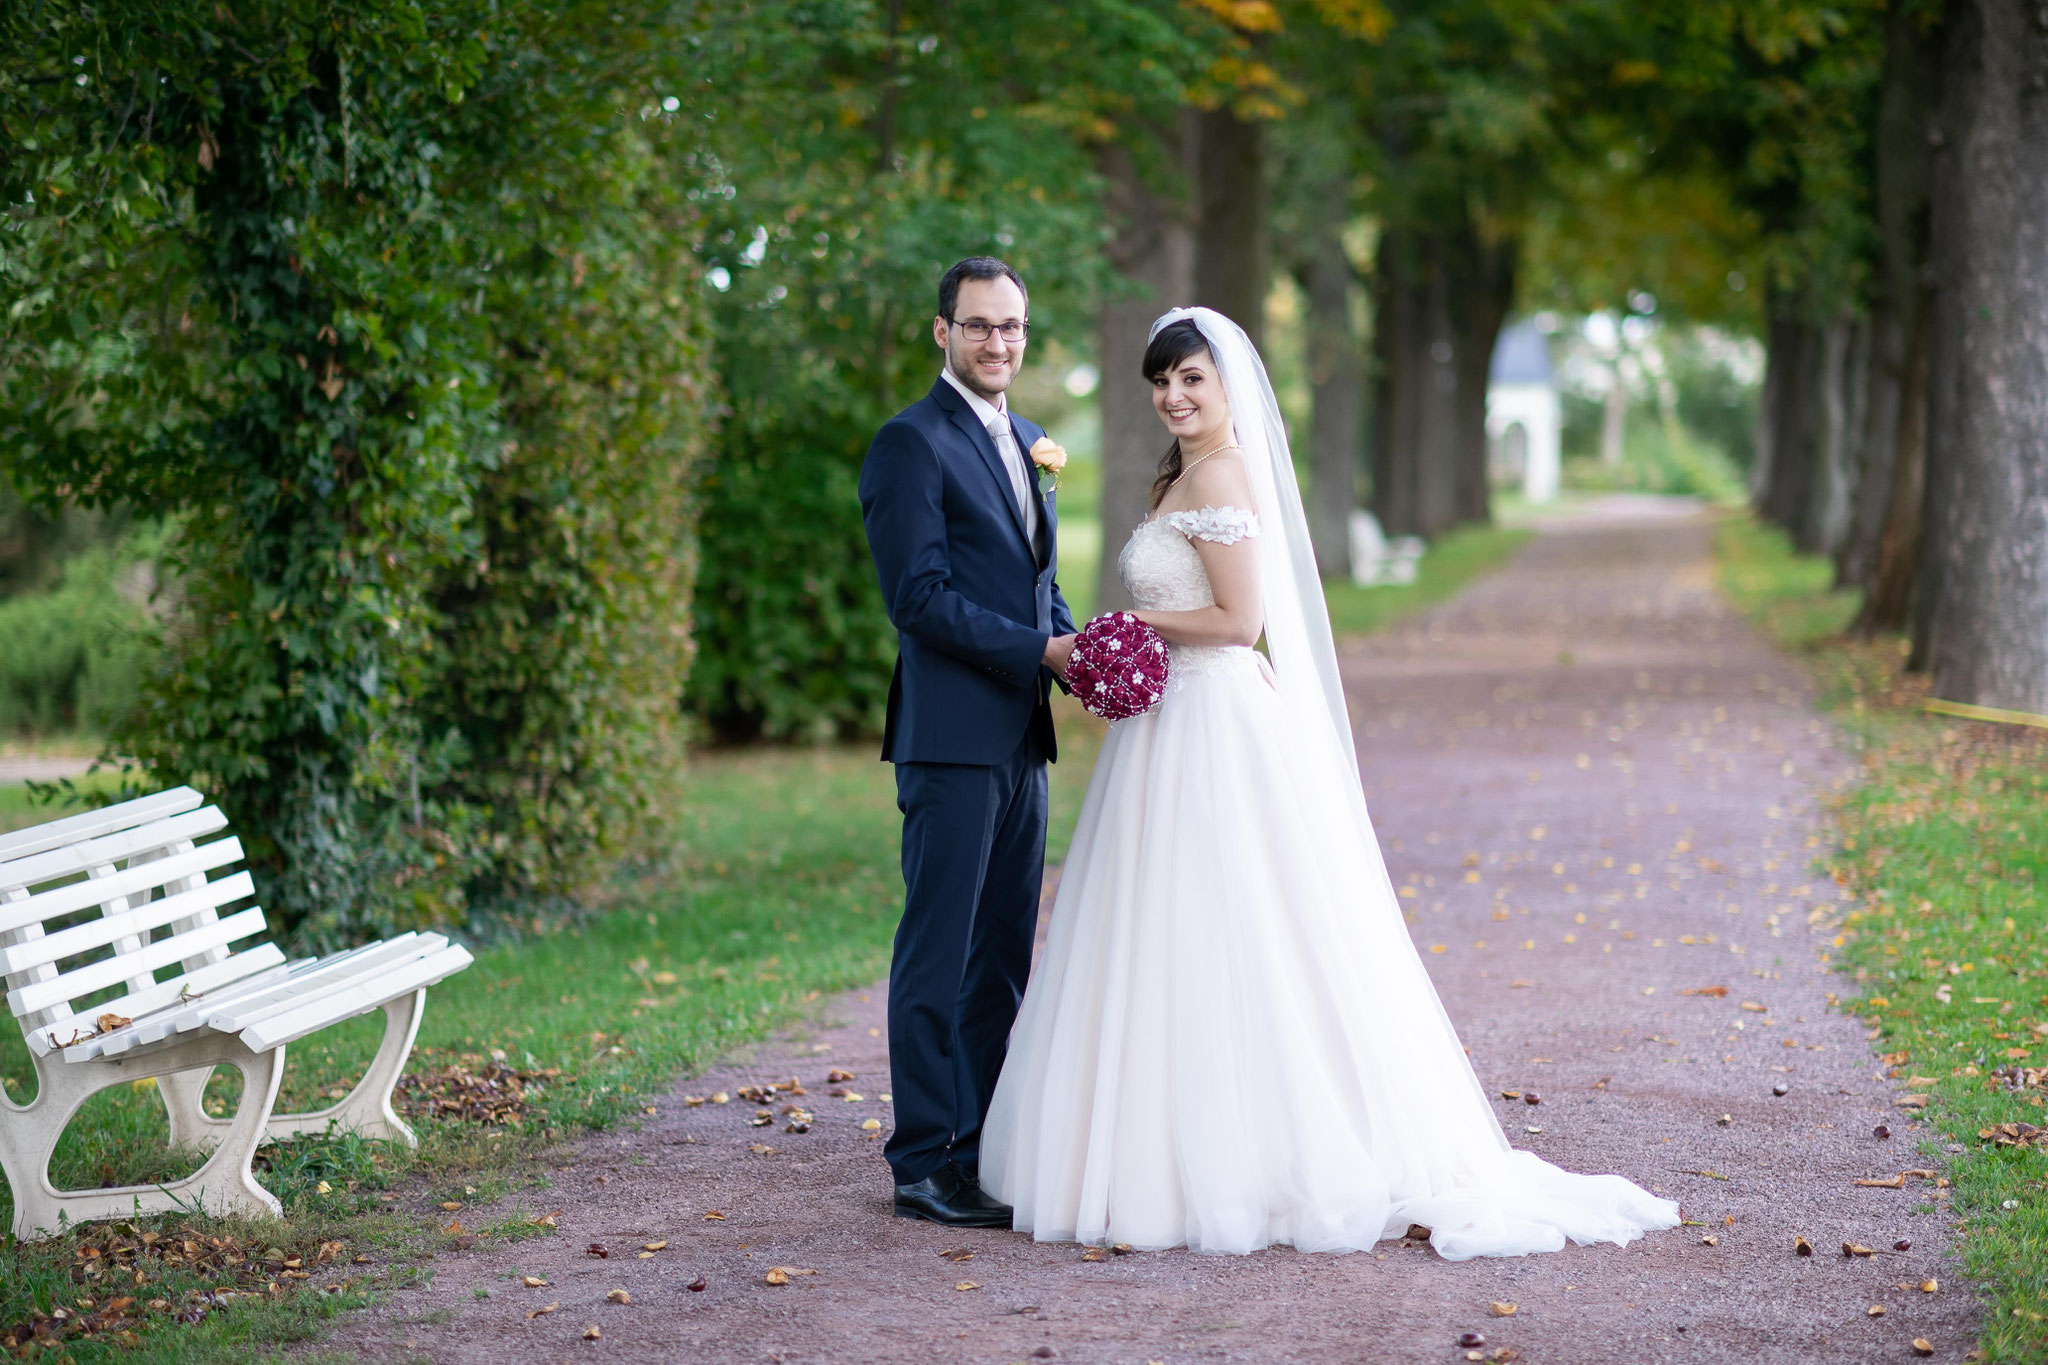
column 1230, row 1041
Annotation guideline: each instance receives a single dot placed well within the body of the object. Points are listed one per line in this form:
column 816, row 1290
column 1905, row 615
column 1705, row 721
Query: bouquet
column 1119, row 667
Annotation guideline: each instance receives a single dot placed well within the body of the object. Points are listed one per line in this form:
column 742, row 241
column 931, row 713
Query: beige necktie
column 1020, row 478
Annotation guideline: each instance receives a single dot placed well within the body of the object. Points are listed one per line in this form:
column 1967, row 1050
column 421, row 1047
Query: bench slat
column 111, row 971
column 192, row 1014
column 257, row 963
column 114, row 848
column 233, row 1017
column 97, row 933
column 93, row 823
column 347, row 1002
column 76, row 896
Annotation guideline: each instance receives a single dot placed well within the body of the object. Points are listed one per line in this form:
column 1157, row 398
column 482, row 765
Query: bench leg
column 367, row 1109
column 226, row 1184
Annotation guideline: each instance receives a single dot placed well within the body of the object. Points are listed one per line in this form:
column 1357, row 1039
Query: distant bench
column 119, row 964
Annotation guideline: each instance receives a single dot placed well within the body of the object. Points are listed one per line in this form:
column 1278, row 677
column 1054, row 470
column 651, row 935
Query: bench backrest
column 113, row 912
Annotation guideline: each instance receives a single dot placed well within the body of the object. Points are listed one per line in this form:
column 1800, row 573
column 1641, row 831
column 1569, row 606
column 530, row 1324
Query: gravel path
column 1601, row 787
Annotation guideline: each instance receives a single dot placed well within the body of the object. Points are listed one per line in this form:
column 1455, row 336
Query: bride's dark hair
column 1171, row 345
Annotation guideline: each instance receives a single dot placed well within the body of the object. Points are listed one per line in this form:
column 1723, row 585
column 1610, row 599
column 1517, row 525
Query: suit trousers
column 973, row 862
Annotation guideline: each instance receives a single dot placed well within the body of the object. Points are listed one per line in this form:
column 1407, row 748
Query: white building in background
column 1524, row 419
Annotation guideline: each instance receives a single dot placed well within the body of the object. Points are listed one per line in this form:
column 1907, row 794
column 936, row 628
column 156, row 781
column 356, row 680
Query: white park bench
column 120, row 965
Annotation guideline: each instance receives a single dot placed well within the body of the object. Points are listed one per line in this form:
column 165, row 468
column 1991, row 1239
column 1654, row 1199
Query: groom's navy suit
column 969, row 728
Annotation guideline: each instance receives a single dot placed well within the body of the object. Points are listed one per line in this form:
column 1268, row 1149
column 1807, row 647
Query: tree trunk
column 1876, row 438
column 1400, row 341
column 1614, row 417
column 1482, row 279
column 1794, row 425
column 1904, row 167
column 1153, row 247
column 1826, row 514
column 1988, row 458
column 1232, row 265
column 1337, row 386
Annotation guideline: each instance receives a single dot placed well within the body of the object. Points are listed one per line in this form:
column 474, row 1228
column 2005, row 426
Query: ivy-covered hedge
column 388, row 303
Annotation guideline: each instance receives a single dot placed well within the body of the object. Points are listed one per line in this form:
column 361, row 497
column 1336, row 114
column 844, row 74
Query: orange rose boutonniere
column 1050, row 457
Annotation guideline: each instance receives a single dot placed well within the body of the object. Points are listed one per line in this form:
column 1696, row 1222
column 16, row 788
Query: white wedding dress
column 1230, row 1041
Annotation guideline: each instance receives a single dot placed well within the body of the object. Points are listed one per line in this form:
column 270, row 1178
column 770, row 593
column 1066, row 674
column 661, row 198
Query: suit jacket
column 972, row 599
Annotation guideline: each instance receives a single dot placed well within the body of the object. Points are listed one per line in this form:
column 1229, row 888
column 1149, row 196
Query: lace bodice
column 1162, row 572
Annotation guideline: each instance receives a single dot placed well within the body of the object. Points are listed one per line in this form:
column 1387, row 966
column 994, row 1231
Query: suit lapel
column 963, row 417
column 1047, row 521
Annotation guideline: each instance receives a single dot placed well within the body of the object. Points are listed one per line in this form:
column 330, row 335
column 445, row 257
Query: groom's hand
column 1059, row 649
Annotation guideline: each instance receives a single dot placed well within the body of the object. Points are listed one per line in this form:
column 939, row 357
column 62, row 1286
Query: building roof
column 1521, row 356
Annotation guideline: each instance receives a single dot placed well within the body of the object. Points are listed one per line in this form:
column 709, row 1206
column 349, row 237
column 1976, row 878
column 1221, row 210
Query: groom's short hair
column 975, row 268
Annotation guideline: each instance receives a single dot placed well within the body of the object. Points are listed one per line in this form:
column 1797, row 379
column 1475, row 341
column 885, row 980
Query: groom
column 964, row 543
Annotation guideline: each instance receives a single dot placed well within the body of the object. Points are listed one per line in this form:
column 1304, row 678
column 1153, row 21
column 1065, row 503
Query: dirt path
column 1600, row 785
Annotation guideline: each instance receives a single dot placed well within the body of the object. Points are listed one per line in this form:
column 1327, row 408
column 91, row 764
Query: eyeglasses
column 978, row 331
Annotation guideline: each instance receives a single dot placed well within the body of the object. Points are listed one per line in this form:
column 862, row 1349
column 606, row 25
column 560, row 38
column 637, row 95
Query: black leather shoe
column 947, row 1196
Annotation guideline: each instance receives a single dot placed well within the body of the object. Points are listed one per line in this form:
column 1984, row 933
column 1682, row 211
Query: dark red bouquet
column 1119, row 666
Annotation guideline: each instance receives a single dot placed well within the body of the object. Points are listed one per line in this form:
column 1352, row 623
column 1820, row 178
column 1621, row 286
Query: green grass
column 1452, row 561
column 1942, row 849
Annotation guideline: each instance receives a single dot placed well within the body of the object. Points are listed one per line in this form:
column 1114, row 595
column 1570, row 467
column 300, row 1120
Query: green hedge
column 75, row 656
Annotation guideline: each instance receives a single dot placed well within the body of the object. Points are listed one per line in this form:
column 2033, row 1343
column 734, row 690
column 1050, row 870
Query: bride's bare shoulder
column 1219, row 481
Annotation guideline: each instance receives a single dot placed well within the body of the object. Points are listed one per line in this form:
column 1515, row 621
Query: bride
column 1230, row 1041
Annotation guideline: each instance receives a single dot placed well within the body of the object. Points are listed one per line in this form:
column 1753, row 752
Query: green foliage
column 78, row 654
column 352, row 288
column 849, row 164
column 1661, row 459
column 1943, row 851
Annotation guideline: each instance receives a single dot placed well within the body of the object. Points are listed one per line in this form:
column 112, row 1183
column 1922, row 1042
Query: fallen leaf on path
column 1095, row 1254
column 454, row 1229
column 1520, row 982
column 966, row 1285
column 760, row 1149
column 1892, row 1182
column 692, row 1101
column 1501, row 1308
column 533, row 1282
column 1121, row 1248
column 776, row 1275
column 654, row 1246
column 714, row 1216
column 1725, row 1120
column 450, row 1205
column 617, row 1296
column 1801, row 1247
column 871, row 1125
column 836, row 1076
column 1922, row 1346
column 721, row 1098
column 1711, row 1175
column 957, row 1254
column 542, row 1311
column 1710, row 1241
column 1910, row 1102
column 546, row 1220
column 1857, row 1249
column 1876, row 1310
column 1716, row 991
column 2013, row 1135
column 1930, row 1286
column 1754, row 1008
column 1511, row 1094
column 593, row 1333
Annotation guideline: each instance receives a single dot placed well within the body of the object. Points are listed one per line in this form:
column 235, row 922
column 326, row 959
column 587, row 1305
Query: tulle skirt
column 1230, row 1041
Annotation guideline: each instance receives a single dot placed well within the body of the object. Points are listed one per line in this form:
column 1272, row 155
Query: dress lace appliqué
column 1162, row 572
column 1223, row 525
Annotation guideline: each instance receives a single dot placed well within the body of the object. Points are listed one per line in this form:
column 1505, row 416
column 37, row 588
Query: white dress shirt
column 996, row 418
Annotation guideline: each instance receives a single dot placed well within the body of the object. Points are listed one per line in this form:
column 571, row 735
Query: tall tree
column 1985, row 578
